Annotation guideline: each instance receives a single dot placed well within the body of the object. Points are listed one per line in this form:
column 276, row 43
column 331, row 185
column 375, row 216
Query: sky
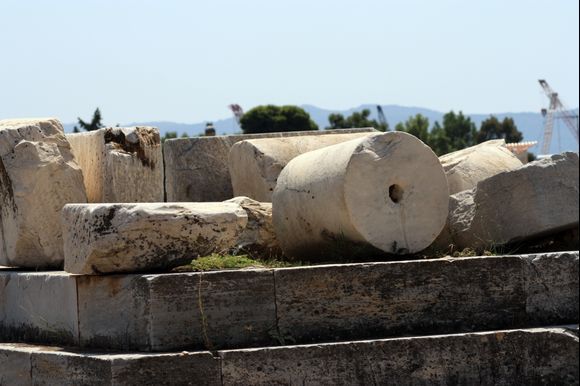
column 186, row 61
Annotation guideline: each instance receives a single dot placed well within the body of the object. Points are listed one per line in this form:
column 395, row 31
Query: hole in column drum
column 396, row 193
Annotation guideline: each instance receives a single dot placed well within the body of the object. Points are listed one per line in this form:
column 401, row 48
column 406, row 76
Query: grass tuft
column 216, row 262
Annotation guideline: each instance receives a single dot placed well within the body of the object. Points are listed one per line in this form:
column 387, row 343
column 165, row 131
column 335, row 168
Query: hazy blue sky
column 186, row 61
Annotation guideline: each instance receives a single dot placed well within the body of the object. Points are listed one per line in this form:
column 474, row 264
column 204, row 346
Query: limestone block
column 526, row 357
column 465, row 168
column 256, row 164
column 552, row 288
column 120, row 164
column 15, row 364
column 38, row 176
column 386, row 190
column 104, row 238
column 537, row 199
column 38, row 307
column 258, row 307
column 50, row 365
column 179, row 311
column 259, row 236
column 196, row 169
column 362, row 301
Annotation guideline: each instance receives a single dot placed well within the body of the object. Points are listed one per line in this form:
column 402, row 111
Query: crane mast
column 557, row 109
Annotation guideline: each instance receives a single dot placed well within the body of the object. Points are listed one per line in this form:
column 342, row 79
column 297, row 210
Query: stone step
column 528, row 356
column 267, row 307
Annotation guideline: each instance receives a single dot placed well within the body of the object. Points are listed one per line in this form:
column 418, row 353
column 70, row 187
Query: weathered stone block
column 552, row 288
column 120, row 164
column 535, row 356
column 362, row 301
column 537, row 199
column 259, row 236
column 212, row 310
column 113, row 312
column 38, row 176
column 253, row 308
column 386, row 191
column 43, row 365
column 196, row 169
column 15, row 365
column 256, row 164
column 163, row 312
column 465, row 168
column 38, row 307
column 105, row 238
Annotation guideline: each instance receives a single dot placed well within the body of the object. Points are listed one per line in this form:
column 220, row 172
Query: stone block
column 45, row 365
column 360, row 301
column 255, row 164
column 120, row 164
column 15, row 364
column 38, row 307
column 106, row 238
column 386, row 192
column 552, row 288
column 38, row 176
column 538, row 199
column 196, row 169
column 533, row 356
column 163, row 312
column 259, row 236
column 256, row 308
column 465, row 168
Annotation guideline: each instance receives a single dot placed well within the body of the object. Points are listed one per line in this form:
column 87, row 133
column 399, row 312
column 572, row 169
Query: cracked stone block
column 386, row 192
column 552, row 288
column 465, row 168
column 531, row 356
column 38, row 307
column 163, row 312
column 196, row 169
column 256, row 164
column 536, row 200
column 120, row 164
column 38, row 176
column 105, row 238
column 109, row 238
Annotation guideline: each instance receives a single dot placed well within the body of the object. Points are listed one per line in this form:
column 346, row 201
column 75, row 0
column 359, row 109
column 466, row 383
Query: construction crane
column 382, row 118
column 554, row 111
column 238, row 112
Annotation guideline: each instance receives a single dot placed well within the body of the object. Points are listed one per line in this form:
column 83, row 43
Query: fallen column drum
column 387, row 191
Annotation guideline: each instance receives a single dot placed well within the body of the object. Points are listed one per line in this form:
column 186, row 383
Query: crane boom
column 557, row 109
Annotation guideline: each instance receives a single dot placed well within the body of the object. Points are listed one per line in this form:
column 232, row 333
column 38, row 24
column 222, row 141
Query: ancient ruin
column 369, row 260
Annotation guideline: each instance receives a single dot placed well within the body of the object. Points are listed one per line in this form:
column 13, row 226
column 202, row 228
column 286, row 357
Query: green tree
column 95, row 123
column 459, row 130
column 355, row 120
column 271, row 119
column 169, row 135
column 438, row 140
column 492, row 128
column 417, row 126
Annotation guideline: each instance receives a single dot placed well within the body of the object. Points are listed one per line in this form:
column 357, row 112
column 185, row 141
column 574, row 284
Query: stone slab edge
column 483, row 357
column 152, row 314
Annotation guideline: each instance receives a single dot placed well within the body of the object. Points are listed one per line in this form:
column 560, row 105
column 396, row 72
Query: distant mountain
column 530, row 124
